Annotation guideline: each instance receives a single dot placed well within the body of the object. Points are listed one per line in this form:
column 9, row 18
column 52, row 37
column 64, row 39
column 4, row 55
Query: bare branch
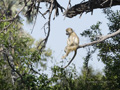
column 69, row 4
column 44, row 41
column 56, row 7
column 42, row 15
column 34, row 23
column 102, row 38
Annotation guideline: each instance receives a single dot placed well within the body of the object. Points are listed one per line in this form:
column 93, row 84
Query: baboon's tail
column 71, row 59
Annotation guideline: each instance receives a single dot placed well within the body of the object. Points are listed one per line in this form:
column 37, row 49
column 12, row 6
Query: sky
column 58, row 39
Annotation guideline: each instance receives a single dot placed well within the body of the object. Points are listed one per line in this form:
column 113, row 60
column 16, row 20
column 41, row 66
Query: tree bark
column 89, row 6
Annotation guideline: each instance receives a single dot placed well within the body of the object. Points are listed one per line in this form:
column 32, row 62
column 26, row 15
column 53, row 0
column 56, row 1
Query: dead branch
column 44, row 41
column 89, row 6
column 56, row 7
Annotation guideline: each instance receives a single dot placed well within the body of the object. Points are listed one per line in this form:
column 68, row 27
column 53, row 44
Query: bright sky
column 57, row 40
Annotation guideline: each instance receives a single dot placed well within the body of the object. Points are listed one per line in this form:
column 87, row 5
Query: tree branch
column 89, row 6
column 102, row 38
column 11, row 66
column 56, row 7
column 49, row 20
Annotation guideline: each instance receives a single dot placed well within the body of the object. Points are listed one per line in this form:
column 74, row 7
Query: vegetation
column 19, row 54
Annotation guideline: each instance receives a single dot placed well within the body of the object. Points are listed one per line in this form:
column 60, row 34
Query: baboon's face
column 69, row 31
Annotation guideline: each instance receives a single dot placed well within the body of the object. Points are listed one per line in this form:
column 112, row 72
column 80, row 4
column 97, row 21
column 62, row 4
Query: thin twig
column 5, row 28
column 36, row 16
column 69, row 4
column 111, row 3
column 31, row 68
column 104, row 2
column 34, row 23
column 44, row 27
column 42, row 15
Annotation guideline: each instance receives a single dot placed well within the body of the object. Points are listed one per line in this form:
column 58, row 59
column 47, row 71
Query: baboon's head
column 69, row 31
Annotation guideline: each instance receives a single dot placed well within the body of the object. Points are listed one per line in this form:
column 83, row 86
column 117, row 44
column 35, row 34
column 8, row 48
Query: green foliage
column 93, row 32
column 25, row 56
column 69, row 80
column 110, row 53
column 19, row 46
column 108, row 50
column 15, row 43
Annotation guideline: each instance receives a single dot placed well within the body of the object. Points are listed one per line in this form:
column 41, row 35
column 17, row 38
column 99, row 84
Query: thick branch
column 101, row 39
column 89, row 6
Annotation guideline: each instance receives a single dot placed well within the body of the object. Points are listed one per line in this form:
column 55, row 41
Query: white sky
column 58, row 38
